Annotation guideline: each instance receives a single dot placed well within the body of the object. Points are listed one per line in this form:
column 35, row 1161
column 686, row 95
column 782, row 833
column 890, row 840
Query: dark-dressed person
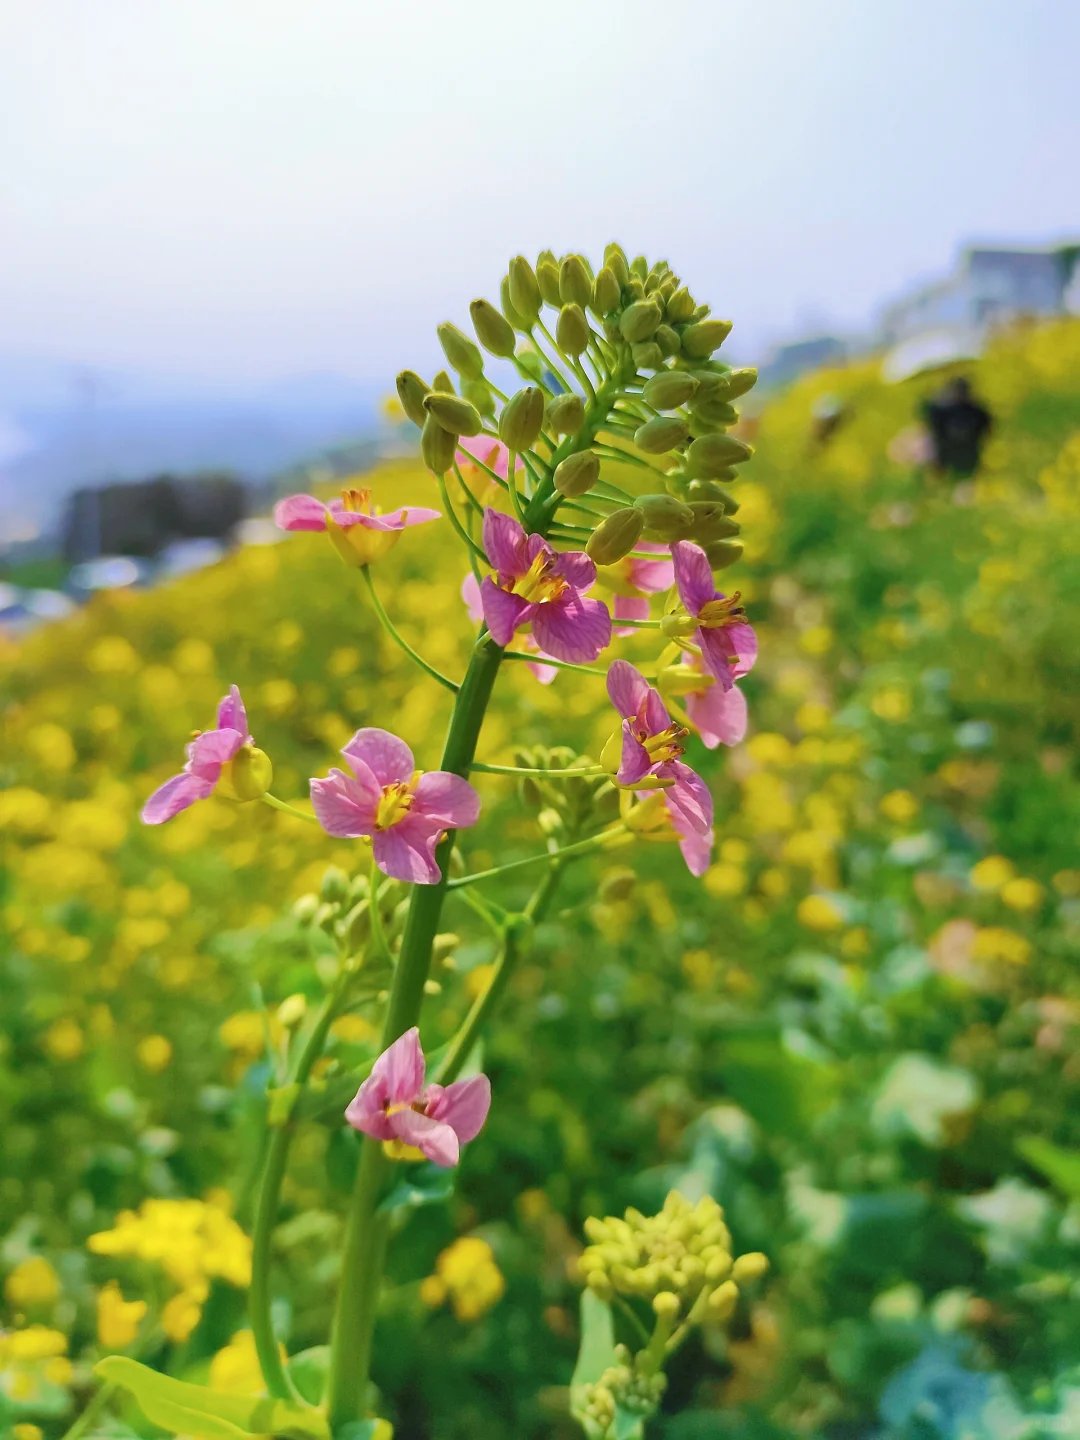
column 958, row 426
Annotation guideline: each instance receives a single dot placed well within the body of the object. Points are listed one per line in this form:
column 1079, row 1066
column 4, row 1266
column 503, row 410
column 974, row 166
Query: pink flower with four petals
column 207, row 755
column 360, row 533
column 632, row 580
column 470, row 594
column 727, row 640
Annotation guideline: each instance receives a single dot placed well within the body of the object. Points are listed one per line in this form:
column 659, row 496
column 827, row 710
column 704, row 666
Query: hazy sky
column 249, row 188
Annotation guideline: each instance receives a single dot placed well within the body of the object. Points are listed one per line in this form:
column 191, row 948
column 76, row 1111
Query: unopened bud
column 547, row 277
column 639, row 321
column 335, row 884
column 639, row 266
column 677, row 625
column 524, row 289
column 616, row 536
column 480, row 395
column 664, row 433
column 304, row 909
column 248, row 775
column 522, row 418
column 680, row 306
column 750, row 1266
column 723, row 1300
column 737, row 382
column 454, row 413
column 291, row 1011
column 669, row 390
column 711, row 521
column 667, row 341
column 437, row 446
column 493, row 330
column 443, row 383
column 616, row 885
column 550, row 822
column 711, row 454
column 665, row 517
column 702, row 338
column 575, row 282
column 572, row 329
column 722, row 553
column 577, row 474
column 647, row 355
column 566, row 414
column 711, row 407
column 411, row 391
column 666, row 1307
column 717, row 1268
column 600, row 1285
column 509, row 309
column 463, row 355
column 606, row 292
column 615, row 261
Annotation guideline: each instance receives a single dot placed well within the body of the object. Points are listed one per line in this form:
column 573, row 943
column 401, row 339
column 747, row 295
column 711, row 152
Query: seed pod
column 454, row 413
column 647, row 355
column 712, row 454
column 508, row 308
column 411, row 391
column 701, row 339
column 437, row 446
column 522, row 419
column 572, row 330
column 577, row 474
column 575, row 282
column 606, row 292
column 722, row 553
column 664, row 433
column 480, row 395
column 566, row 414
column 680, row 307
column 547, row 277
column 665, row 518
column 668, row 341
column 493, row 330
column 463, row 355
column 524, row 289
column 669, row 390
column 616, row 536
column 639, row 321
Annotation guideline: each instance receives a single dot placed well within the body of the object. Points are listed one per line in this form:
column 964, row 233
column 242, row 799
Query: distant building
column 988, row 287
column 785, row 362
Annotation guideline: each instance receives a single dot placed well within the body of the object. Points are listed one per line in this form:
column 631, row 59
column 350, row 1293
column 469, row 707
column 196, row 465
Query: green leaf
column 1060, row 1166
column 597, row 1349
column 193, row 1409
column 308, row 1371
column 418, row 1185
column 629, row 1425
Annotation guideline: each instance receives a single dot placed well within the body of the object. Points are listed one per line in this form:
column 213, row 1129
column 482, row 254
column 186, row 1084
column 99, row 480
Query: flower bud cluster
column 568, row 805
column 342, row 910
column 632, row 1387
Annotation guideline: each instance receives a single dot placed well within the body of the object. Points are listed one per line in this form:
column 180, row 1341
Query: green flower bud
column 443, row 383
column 291, row 1011
column 547, row 277
column 512, row 314
column 709, row 405
column 480, row 395
column 304, row 909
column 666, row 1307
column 248, row 775
column 750, row 1266
column 664, row 433
column 437, row 446
column 335, row 884
column 577, row 474
column 411, row 391
column 493, row 330
column 680, row 307
column 566, row 414
column 454, row 413
column 575, row 282
column 606, row 292
column 669, row 390
column 634, row 288
column 701, row 339
column 722, row 1301
column 709, row 490
column 460, row 351
column 737, row 382
column 652, row 282
column 711, row 522
column 639, row 266
column 668, row 341
column 647, row 355
column 708, row 456
column 529, row 361
column 664, row 517
column 639, row 321
column 572, row 330
column 722, row 553
column 524, row 289
column 522, row 418
column 357, row 923
column 615, row 260
column 616, row 536
column 701, row 312
column 548, row 255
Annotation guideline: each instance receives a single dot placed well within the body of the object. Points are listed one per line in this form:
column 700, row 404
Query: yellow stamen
column 665, row 746
column 538, row 584
column 395, row 802
column 356, row 501
column 715, row 614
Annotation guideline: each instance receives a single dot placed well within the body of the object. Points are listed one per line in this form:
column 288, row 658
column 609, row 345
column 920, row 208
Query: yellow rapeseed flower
column 64, row 1040
column 467, row 1275
column 153, row 1053
column 992, row 873
column 33, row 1282
column 118, row 1320
column 1023, row 894
column 899, row 806
column 996, row 943
column 818, row 913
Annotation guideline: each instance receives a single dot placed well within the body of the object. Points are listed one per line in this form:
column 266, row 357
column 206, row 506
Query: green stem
column 95, row 1406
column 538, row 773
column 536, row 659
column 399, row 639
column 580, row 847
column 286, row 809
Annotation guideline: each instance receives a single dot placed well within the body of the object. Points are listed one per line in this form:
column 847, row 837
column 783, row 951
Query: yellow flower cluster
column 467, row 1276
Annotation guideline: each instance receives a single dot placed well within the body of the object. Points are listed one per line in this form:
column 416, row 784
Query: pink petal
column 630, row 607
column 688, row 801
column 572, row 628
column 214, row 748
column 407, row 851
column 175, row 795
column 388, row 758
column 716, row 655
column 300, row 512
column 433, row 1138
column 448, row 799
column 743, row 641
column 504, row 542
column 344, row 806
column 652, row 575
column 231, row 714
column 503, row 612
column 344, row 518
column 634, row 762
column 400, row 1069
column 463, row 1106
column 697, row 852
column 655, row 713
column 693, row 575
column 627, row 688
column 576, row 568
column 544, row 673
column 470, row 594
column 718, row 715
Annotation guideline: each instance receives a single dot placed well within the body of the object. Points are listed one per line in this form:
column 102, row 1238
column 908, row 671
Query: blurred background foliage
column 858, row 1032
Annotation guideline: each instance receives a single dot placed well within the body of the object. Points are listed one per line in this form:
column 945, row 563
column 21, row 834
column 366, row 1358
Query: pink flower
column 404, row 812
column 727, row 640
column 470, row 593
column 494, row 455
column 360, row 534
column 207, row 755
column 534, row 584
column 633, row 580
column 395, row 1106
column 652, row 746
column 717, row 714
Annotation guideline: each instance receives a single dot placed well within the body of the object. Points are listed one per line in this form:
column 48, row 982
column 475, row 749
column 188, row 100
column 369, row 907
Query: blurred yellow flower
column 64, row 1040
column 891, row 702
column 33, row 1282
column 153, row 1053
column 995, row 943
column 235, row 1368
column 112, row 655
column 51, row 746
column 818, row 913
column 181, row 1314
column 465, row 1274
column 118, row 1320
column 1023, row 895
column 992, row 873
column 899, row 806
column 723, row 880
